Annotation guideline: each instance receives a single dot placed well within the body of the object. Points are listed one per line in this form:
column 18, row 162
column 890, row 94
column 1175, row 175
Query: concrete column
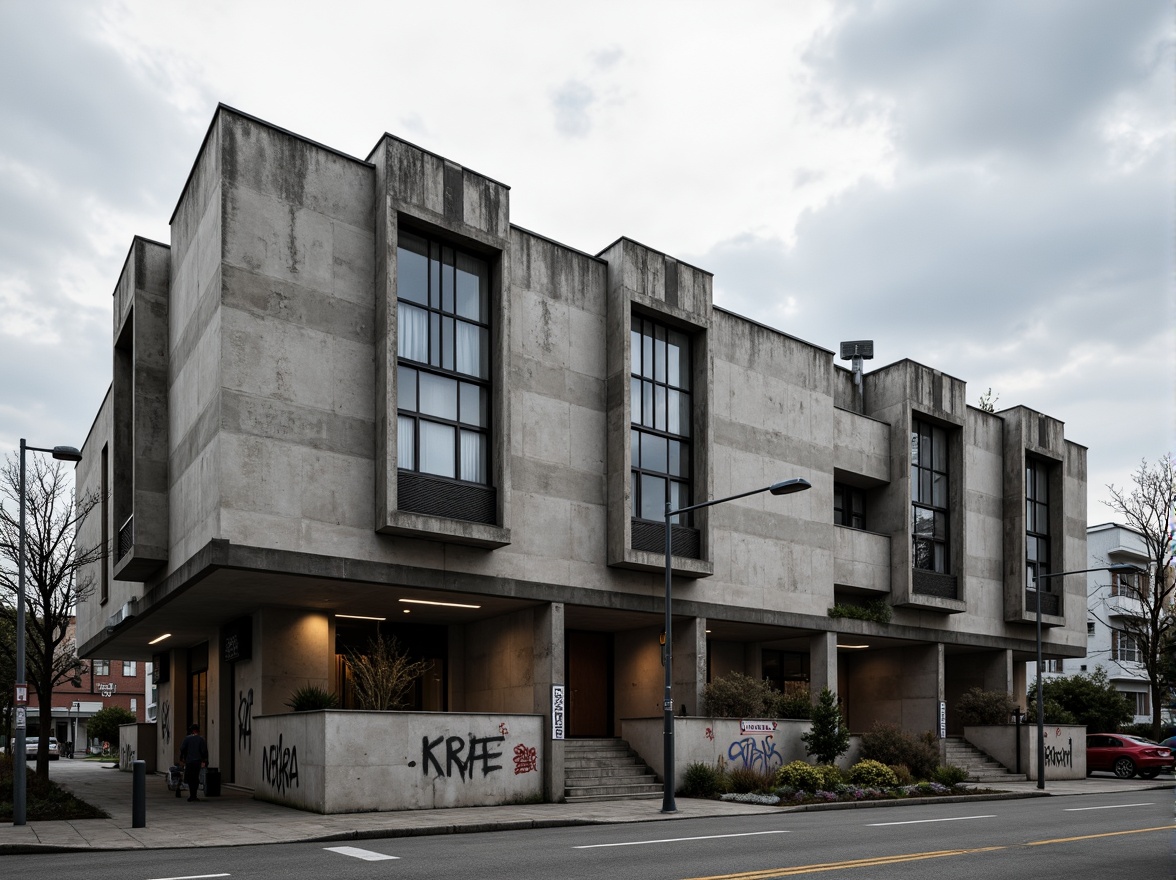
column 548, row 671
column 689, row 665
column 822, row 663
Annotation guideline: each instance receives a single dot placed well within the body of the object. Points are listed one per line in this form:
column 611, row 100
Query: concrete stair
column 980, row 766
column 606, row 770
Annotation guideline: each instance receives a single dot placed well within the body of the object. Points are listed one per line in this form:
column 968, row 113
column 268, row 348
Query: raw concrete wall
column 499, row 663
column 136, row 742
column 899, row 686
column 346, row 762
column 639, row 677
column 1065, row 748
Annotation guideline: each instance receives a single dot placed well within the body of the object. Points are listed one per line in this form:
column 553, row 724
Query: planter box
column 1065, row 747
column 764, row 745
column 352, row 761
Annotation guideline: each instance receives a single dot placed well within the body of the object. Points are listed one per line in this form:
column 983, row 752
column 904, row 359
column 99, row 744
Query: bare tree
column 1147, row 508
column 54, row 579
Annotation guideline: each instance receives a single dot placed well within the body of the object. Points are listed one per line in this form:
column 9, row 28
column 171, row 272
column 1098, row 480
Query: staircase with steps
column 606, row 770
column 980, row 767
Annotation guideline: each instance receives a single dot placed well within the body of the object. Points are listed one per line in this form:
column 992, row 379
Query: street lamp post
column 1117, row 568
column 785, row 487
column 19, row 783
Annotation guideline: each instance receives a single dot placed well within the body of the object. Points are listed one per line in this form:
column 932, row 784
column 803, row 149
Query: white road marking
column 355, row 852
column 921, row 821
column 1107, row 807
column 194, row 877
column 677, row 839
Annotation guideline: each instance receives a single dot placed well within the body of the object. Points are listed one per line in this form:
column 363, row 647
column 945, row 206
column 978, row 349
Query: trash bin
column 212, row 782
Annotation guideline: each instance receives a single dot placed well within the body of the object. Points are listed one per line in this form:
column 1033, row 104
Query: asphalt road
column 1124, row 836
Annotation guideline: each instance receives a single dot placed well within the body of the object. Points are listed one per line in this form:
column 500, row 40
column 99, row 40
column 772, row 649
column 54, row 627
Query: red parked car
column 1126, row 756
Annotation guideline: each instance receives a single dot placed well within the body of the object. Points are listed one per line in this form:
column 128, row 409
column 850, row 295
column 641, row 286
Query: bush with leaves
column 311, row 697
column 794, row 704
column 801, row 776
column 383, row 676
column 744, row 780
column 872, row 774
column 892, row 746
column 979, row 706
column 1086, row 698
column 703, row 780
column 104, row 724
column 829, row 737
column 949, row 775
column 736, row 695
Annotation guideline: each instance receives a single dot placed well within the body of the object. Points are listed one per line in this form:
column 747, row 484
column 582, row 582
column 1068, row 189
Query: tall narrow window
column 849, row 506
column 659, row 382
column 1037, row 561
column 929, row 497
column 443, row 360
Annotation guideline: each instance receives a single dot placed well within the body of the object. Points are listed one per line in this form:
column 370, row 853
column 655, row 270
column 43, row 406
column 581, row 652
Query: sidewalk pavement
column 235, row 819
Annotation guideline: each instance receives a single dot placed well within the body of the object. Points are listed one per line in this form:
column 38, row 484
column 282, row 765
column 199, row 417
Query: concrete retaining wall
column 353, row 761
column 136, row 742
column 1065, row 748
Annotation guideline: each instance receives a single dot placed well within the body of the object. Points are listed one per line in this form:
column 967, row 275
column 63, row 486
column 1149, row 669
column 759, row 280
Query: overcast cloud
column 986, row 188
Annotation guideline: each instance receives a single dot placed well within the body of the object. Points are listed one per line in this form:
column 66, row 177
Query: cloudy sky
column 986, row 188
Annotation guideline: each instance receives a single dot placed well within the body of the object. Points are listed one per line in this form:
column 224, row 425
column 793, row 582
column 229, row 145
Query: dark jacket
column 194, row 749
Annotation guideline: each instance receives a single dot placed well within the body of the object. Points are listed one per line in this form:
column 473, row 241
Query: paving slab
column 236, row 819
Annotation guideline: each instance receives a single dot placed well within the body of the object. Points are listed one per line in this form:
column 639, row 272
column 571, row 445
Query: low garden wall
column 335, row 761
column 1065, row 747
column 761, row 744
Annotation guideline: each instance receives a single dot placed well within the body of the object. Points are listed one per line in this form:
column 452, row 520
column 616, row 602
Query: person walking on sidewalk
column 193, row 755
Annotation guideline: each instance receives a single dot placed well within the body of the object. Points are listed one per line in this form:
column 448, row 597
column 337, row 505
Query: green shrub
column 736, row 695
column 828, row 739
column 902, row 773
column 702, row 780
column 949, row 775
column 800, row 775
column 1089, row 699
column 872, row 774
column 831, row 777
column 979, row 706
column 794, row 704
column 747, row 780
column 888, row 744
column 104, row 724
column 310, row 697
column 1144, row 730
column 878, row 611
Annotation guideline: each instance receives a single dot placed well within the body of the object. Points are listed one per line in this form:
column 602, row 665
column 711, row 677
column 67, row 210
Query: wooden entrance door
column 589, row 677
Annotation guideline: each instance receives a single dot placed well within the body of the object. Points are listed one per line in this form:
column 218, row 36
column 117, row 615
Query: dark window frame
column 1038, row 556
column 852, row 515
column 930, row 553
column 441, row 306
column 650, row 416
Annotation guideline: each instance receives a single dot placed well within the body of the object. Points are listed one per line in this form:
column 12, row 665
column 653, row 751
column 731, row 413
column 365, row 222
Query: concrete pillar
column 689, row 665
column 822, row 663
column 548, row 671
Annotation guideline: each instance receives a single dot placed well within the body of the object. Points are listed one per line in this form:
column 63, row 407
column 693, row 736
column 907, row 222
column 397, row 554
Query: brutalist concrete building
column 350, row 396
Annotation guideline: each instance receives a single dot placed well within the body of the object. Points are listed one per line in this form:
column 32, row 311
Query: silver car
column 31, row 745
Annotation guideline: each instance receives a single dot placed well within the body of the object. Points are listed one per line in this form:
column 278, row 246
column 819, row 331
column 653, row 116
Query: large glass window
column 1124, row 647
column 443, row 351
column 1037, row 561
column 929, row 497
column 661, row 420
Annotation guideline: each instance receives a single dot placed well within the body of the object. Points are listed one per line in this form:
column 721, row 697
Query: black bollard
column 139, row 794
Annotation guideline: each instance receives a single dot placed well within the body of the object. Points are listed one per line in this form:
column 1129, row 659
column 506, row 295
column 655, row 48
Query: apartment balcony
column 861, row 560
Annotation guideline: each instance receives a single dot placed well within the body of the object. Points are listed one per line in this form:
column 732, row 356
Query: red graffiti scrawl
column 525, row 759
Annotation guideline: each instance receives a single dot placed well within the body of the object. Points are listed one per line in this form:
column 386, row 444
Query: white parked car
column 32, row 743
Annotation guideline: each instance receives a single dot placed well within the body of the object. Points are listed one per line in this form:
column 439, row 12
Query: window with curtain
column 661, row 415
column 929, row 497
column 443, row 360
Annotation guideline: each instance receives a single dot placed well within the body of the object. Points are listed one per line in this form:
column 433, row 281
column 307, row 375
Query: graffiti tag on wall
column 525, row 759
column 245, row 721
column 165, row 721
column 279, row 766
column 1056, row 756
column 126, row 756
column 460, row 755
column 755, row 754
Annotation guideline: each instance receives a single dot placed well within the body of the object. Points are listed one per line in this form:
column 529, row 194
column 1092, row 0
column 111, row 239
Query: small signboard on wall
column 747, row 727
column 942, row 719
column 557, row 711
